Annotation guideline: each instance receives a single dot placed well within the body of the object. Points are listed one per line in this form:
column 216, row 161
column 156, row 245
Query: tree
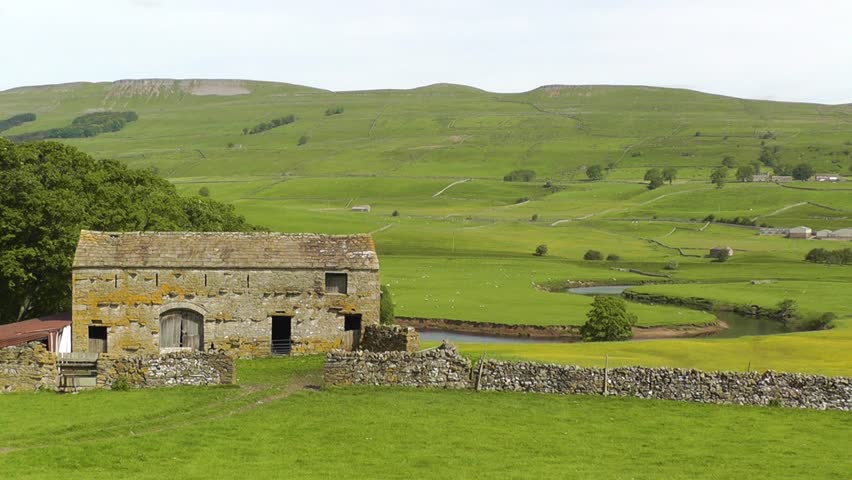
column 802, row 171
column 781, row 168
column 768, row 156
column 386, row 307
column 592, row 255
column 745, row 173
column 669, row 174
column 303, row 140
column 719, row 176
column 608, row 320
column 787, row 311
column 595, row 172
column 729, row 162
column 204, row 191
column 534, row 217
column 51, row 191
column 540, row 250
column 654, row 178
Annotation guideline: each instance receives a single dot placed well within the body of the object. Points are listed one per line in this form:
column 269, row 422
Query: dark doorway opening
column 352, row 331
column 97, row 339
column 282, row 342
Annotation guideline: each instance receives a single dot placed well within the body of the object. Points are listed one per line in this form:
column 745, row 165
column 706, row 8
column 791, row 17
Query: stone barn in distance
column 250, row 294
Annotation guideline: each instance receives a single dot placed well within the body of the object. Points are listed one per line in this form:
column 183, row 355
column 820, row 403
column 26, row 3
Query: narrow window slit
column 157, row 279
column 205, row 279
column 248, row 281
column 115, row 280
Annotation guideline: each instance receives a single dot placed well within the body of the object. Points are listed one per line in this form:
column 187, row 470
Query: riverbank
column 564, row 333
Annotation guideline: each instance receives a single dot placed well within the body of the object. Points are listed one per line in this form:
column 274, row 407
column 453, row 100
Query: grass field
column 270, row 427
column 461, row 244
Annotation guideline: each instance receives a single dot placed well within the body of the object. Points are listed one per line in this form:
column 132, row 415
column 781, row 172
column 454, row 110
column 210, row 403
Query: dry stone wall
column 445, row 368
column 756, row 388
column 390, row 338
column 441, row 367
column 27, row 368
column 179, row 368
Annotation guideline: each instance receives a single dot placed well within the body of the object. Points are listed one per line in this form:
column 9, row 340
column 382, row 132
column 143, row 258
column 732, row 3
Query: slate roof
column 225, row 250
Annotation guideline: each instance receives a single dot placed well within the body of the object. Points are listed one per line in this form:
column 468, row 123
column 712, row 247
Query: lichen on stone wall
column 27, row 368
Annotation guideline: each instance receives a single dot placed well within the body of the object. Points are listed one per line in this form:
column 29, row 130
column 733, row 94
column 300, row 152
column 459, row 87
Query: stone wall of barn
column 27, row 368
column 237, row 307
column 445, row 368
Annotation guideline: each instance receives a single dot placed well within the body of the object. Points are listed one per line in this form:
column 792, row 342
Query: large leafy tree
column 51, row 191
column 608, row 320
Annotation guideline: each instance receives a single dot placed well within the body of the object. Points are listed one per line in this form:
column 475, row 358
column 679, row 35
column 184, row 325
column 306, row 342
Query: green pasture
column 465, row 250
column 270, row 427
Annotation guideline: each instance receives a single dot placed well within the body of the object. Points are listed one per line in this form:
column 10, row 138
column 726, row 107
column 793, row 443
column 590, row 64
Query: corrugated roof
column 225, row 250
column 33, row 329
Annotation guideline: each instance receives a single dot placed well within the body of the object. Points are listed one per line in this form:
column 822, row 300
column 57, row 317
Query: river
column 738, row 325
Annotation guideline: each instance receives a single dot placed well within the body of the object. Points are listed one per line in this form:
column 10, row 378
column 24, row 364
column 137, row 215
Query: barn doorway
column 352, row 332
column 182, row 329
column 282, row 341
column 97, row 339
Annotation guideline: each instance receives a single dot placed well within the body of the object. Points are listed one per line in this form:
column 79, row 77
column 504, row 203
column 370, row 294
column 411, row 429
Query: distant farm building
column 54, row 331
column 842, row 234
column 249, row 294
column 827, row 177
column 823, row 234
column 717, row 252
column 774, row 231
column 800, row 232
column 765, row 177
column 361, row 208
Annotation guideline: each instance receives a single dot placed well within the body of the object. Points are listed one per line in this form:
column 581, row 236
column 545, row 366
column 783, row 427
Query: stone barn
column 250, row 294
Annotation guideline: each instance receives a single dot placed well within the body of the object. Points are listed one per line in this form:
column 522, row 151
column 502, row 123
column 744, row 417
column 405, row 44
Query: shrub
column 264, row 126
column 120, row 384
column 729, row 161
column 836, row 257
column 595, row 172
column 540, row 250
column 395, row 213
column 534, row 217
column 818, row 322
column 303, row 140
column 519, row 176
column 592, row 255
column 204, row 191
column 613, row 257
column 608, row 320
column 16, row 120
column 337, row 110
column 522, row 200
column 88, row 125
column 720, row 255
column 672, row 265
column 386, row 307
column 787, row 311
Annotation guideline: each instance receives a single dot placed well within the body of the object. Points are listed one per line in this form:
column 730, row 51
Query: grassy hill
column 185, row 128
column 460, row 246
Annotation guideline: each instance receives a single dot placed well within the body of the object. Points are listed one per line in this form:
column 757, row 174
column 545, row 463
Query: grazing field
column 272, row 426
column 457, row 242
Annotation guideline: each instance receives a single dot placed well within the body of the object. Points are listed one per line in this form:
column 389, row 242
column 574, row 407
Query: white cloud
column 787, row 50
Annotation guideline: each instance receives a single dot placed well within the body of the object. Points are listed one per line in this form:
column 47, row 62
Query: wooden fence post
column 479, row 373
column 606, row 375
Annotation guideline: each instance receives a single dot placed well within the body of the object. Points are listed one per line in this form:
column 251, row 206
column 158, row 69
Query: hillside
column 194, row 128
column 455, row 240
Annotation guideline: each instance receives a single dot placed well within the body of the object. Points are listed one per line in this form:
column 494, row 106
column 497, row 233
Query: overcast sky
column 780, row 50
